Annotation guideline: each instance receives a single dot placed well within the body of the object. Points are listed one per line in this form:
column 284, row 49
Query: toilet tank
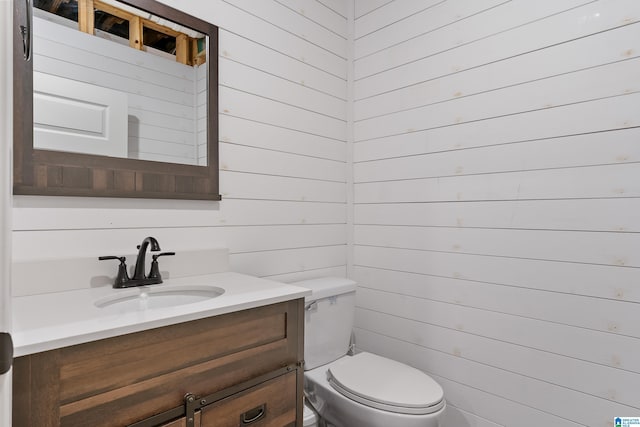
column 329, row 313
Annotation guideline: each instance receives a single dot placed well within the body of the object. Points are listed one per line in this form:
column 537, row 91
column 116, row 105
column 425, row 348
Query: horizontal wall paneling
column 295, row 23
column 509, row 16
column 242, row 77
column 263, row 135
column 595, row 149
column 289, row 261
column 532, row 185
column 568, row 57
column 538, row 35
column 588, row 280
column 240, row 158
column 400, row 21
column 616, row 249
column 330, row 14
column 581, row 86
column 257, row 55
column 604, row 315
column 363, row 7
column 251, row 26
column 248, row 106
column 618, row 215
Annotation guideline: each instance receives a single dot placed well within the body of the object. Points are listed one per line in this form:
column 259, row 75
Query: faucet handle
column 123, row 277
column 155, row 257
column 155, row 267
column 120, row 258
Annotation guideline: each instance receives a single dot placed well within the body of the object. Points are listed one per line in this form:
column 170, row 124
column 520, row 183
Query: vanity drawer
column 271, row 404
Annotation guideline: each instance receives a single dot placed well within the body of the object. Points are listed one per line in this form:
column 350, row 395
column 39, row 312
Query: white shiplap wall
column 282, row 156
column 497, row 201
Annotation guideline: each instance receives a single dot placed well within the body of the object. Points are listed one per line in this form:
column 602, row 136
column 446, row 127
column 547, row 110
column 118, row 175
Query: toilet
column 364, row 389
column 309, row 417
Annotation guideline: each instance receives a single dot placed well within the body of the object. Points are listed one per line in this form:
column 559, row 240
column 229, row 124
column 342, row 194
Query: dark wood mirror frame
column 54, row 173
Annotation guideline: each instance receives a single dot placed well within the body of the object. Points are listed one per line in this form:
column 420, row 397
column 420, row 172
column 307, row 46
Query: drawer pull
column 253, row 415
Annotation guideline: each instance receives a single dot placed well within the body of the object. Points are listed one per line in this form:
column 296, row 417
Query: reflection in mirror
column 113, row 80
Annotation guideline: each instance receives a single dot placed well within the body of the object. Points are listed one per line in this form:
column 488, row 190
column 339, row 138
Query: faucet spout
column 138, row 272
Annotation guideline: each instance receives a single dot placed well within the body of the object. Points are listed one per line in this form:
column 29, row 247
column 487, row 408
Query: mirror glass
column 113, row 80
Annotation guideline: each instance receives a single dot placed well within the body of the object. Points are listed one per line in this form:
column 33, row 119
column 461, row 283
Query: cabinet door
column 270, row 404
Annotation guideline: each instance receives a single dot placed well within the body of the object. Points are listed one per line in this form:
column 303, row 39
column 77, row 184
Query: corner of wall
column 349, row 157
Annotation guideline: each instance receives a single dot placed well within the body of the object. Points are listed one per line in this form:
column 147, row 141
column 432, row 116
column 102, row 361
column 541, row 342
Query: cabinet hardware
column 253, row 415
column 26, row 32
column 6, row 352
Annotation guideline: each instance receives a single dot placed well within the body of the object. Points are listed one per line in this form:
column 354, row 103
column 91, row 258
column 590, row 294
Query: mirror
column 117, row 99
column 124, row 84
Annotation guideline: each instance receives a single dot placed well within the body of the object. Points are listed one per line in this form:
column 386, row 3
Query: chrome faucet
column 139, row 278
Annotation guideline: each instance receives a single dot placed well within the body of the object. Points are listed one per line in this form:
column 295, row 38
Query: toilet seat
column 385, row 384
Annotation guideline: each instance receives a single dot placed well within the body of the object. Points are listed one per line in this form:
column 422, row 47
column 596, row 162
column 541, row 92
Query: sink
column 152, row 297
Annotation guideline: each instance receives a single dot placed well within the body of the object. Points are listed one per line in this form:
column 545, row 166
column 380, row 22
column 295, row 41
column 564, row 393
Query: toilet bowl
column 361, row 390
column 373, row 391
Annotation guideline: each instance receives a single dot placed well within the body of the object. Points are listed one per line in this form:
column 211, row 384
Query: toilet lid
column 386, row 384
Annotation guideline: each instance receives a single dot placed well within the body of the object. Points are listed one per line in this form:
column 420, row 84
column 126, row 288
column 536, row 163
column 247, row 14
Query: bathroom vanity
column 232, row 360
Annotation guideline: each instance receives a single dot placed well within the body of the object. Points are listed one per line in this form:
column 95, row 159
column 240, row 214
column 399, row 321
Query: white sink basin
column 151, row 297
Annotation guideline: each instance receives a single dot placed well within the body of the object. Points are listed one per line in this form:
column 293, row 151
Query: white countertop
column 48, row 321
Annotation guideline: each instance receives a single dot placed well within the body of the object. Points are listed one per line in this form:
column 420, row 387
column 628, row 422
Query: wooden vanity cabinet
column 248, row 363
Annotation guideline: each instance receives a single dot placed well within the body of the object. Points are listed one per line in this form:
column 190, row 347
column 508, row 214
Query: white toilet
column 363, row 390
column 309, row 417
